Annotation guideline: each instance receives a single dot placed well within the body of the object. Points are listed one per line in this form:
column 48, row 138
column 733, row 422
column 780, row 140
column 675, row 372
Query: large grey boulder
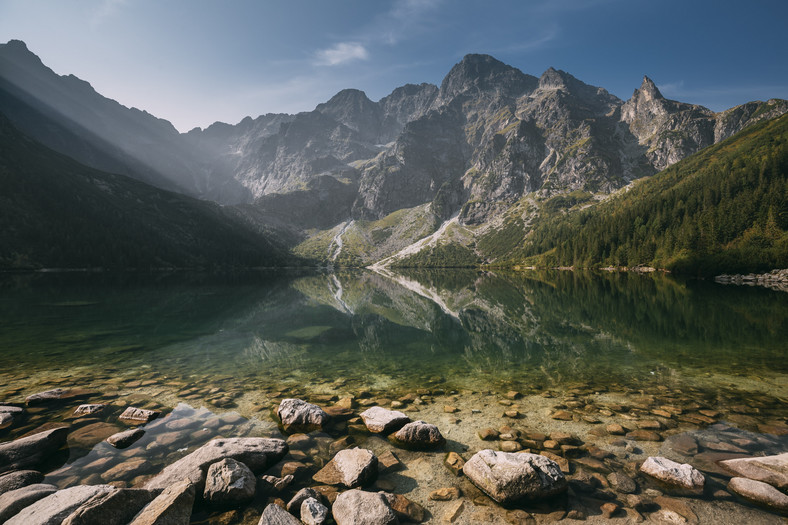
column 18, row 479
column 229, row 480
column 299, row 416
column 15, row 500
column 419, row 435
column 352, row 467
column 172, row 507
column 508, row 477
column 276, row 515
column 31, row 450
column 760, row 493
column 769, row 469
column 58, row 506
column 679, row 477
column 256, row 453
column 357, row 507
column 380, row 420
column 117, row 507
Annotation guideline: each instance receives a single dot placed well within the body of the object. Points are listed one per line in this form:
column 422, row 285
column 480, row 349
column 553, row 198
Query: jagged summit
column 475, row 73
column 648, row 90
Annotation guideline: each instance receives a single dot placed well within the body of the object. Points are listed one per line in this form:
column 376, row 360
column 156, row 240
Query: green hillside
column 57, row 213
column 724, row 209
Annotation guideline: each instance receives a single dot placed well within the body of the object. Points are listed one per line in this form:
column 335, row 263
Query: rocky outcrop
column 32, row 450
column 350, row 468
column 229, row 480
column 678, row 477
column 380, row 420
column 299, row 416
column 508, row 477
column 357, row 507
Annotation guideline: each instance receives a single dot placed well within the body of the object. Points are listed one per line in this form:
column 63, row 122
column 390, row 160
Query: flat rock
column 356, row 507
column 31, row 450
column 86, row 410
column 622, row 483
column 138, row 415
column 89, row 435
column 276, row 515
column 380, row 420
column 760, row 493
column 769, row 469
column 256, row 453
column 18, row 479
column 172, row 507
column 419, row 435
column 14, row 501
column 644, row 435
column 229, row 480
column 679, row 476
column 313, row 512
column 117, row 507
column 125, row 438
column 46, row 396
column 58, row 506
column 299, row 416
column 509, row 477
column 352, row 467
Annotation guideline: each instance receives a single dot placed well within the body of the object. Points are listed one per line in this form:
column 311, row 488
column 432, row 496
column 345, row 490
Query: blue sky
column 195, row 62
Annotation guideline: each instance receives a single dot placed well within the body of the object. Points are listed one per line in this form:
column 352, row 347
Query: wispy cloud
column 341, row 53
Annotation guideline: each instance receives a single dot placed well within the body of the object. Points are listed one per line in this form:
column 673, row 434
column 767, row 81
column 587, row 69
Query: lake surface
column 216, row 353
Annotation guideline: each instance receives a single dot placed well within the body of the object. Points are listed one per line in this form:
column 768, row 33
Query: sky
column 195, row 62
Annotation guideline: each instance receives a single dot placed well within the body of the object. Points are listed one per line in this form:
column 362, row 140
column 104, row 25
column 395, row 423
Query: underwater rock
column 404, row 508
column 229, row 480
column 681, row 477
column 356, row 507
column 125, row 438
column 380, row 420
column 350, row 467
column 86, row 410
column 299, row 416
column 509, row 477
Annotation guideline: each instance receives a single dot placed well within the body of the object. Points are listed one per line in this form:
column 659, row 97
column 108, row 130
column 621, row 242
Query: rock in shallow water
column 116, row 507
column 138, row 415
column 229, row 480
column 356, row 507
column 680, row 477
column 760, row 493
column 299, row 416
column 125, row 438
column 380, row 420
column 419, row 435
column 31, row 450
column 508, row 477
column 769, row 469
column 350, row 467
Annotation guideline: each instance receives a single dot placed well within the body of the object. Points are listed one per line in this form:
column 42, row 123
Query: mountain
column 57, row 213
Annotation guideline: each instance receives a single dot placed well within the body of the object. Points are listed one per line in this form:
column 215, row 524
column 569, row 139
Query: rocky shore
column 72, row 455
column 776, row 279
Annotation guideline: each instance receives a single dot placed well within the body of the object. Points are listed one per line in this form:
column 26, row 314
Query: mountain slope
column 55, row 212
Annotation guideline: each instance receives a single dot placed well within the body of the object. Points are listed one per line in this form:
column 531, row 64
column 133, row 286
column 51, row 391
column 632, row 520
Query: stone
column 356, row 507
column 313, row 512
column 173, row 506
column 117, row 507
column 31, row 450
column 769, row 469
column 256, row 453
column 510, row 446
column 644, row 435
column 510, row 477
column 57, row 506
column 650, row 424
column 562, row 463
column 562, row 415
column 512, row 394
column 681, row 477
column 18, row 479
column 389, row 462
column 685, row 444
column 125, row 438
column 419, row 435
column 47, row 396
column 276, row 515
column 127, row 470
column 138, row 415
column 404, row 508
column 6, row 419
column 294, row 468
column 89, row 435
column 454, row 463
column 450, row 409
column 622, row 483
column 382, row 421
column 86, row 410
column 229, row 481
column 15, row 500
column 760, row 493
column 278, row 484
column 299, row 441
column 351, row 468
column 609, row 509
column 339, row 444
column 294, row 505
column 445, row 494
column 488, row 434
column 677, row 506
column 453, row 512
column 299, row 416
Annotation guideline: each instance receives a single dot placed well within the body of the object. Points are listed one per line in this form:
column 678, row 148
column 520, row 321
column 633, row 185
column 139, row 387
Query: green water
column 452, row 329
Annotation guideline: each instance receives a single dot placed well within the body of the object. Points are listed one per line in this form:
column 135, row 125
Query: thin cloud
column 107, row 9
column 341, row 53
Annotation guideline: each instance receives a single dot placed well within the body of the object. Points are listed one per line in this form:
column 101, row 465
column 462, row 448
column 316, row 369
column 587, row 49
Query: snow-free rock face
column 679, row 477
column 508, row 477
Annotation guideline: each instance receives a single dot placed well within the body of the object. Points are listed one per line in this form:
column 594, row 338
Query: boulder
column 125, row 438
column 679, row 477
column 299, row 416
column 380, row 420
column 356, row 507
column 117, row 507
column 31, row 450
column 769, row 469
column 172, row 507
column 419, row 435
column 14, row 501
column 276, row 515
column 352, row 467
column 229, row 480
column 58, row 506
column 138, row 415
column 86, row 410
column 18, row 479
column 313, row 512
column 760, row 493
column 256, row 453
column 508, row 477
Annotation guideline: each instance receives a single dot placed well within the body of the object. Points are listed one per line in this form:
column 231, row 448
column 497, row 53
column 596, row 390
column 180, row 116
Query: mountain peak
column 477, row 72
column 648, row 90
